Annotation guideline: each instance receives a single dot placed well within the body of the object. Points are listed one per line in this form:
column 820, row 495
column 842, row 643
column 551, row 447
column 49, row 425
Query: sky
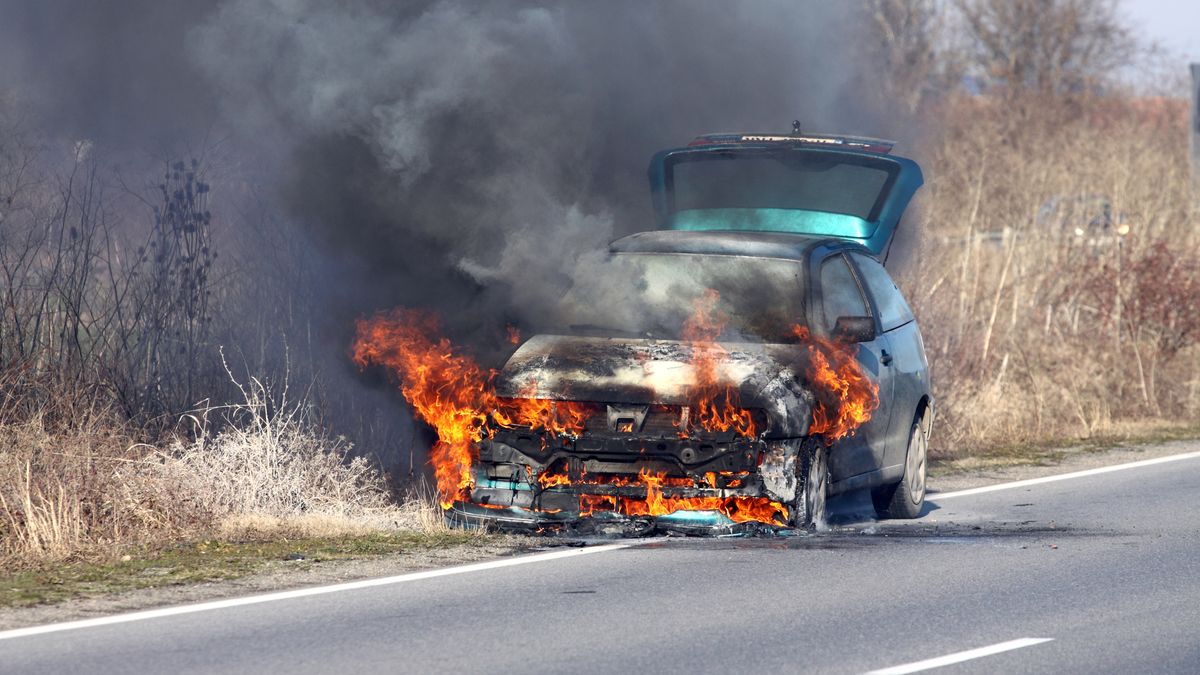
column 1173, row 24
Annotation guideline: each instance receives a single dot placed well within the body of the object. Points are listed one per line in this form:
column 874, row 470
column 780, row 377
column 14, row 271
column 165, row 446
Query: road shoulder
column 283, row 573
column 966, row 474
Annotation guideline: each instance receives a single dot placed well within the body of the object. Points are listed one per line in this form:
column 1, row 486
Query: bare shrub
column 269, row 464
column 910, row 43
column 1058, row 47
column 75, row 481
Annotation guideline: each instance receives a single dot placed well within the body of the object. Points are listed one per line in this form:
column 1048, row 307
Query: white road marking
column 303, row 592
column 939, row 496
column 959, row 657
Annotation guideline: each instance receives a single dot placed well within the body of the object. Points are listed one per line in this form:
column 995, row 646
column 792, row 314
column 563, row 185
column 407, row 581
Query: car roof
column 779, row 245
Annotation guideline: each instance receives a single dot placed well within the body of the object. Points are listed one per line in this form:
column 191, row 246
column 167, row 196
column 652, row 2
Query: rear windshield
column 804, row 180
column 652, row 294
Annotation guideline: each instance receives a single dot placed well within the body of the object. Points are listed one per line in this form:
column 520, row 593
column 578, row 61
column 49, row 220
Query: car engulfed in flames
column 729, row 369
column 637, row 434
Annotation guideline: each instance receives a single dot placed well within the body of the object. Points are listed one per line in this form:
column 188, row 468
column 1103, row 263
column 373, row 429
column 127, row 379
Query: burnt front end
column 631, row 468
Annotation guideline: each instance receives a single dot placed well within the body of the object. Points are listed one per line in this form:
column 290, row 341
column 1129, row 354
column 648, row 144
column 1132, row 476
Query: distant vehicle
column 785, row 235
column 1088, row 218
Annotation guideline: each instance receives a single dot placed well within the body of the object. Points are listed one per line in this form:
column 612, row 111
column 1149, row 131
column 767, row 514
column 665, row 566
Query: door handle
column 885, row 358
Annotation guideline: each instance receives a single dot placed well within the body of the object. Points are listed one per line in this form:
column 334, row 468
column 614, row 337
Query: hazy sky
column 1173, row 24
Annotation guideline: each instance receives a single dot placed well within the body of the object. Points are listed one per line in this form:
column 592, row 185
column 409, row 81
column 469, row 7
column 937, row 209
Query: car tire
column 813, row 484
column 906, row 498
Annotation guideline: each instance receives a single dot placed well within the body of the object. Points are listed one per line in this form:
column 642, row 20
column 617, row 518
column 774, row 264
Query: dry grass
column 70, row 488
column 1043, row 321
column 75, row 487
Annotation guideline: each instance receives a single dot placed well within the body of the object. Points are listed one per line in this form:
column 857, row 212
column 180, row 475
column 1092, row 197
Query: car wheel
column 906, row 498
column 814, row 486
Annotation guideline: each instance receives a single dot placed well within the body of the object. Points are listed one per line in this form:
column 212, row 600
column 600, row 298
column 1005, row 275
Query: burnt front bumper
column 605, row 523
column 531, row 482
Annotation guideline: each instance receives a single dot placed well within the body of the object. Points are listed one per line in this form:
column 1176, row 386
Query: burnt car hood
column 651, row 371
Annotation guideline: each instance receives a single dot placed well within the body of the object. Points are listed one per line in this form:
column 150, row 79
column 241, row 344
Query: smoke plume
column 470, row 158
column 466, row 155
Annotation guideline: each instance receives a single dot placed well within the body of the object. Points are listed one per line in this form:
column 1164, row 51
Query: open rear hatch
column 836, row 186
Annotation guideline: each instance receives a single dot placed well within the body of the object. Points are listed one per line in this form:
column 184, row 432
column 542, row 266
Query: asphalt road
column 1107, row 566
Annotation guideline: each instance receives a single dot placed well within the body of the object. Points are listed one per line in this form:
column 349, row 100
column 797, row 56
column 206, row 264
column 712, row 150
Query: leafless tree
column 1056, row 47
column 910, row 43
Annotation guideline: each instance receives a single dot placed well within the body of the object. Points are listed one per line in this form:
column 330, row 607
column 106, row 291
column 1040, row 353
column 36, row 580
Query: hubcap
column 914, row 468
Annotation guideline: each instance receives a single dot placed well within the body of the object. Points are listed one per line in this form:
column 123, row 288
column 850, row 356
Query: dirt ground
column 281, row 575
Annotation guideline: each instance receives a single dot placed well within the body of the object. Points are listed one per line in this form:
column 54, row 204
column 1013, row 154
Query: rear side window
column 840, row 294
column 893, row 310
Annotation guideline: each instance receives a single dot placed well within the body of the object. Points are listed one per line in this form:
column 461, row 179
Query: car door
column 841, row 293
column 908, row 366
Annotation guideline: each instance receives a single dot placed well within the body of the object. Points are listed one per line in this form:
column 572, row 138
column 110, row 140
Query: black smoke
column 466, row 157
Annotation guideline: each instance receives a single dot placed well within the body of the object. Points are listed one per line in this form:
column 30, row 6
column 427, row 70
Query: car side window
column 893, row 310
column 840, row 293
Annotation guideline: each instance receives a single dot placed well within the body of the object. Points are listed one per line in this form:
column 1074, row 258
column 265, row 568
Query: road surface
column 1096, row 573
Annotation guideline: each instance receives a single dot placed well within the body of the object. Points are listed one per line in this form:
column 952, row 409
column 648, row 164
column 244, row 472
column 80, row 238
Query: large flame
column 738, row 509
column 713, row 403
column 449, row 391
column 845, row 395
column 452, row 393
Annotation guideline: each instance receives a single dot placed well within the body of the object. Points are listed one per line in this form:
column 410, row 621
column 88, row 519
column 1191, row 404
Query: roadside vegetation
column 81, row 484
column 1057, row 281
column 208, row 560
column 152, row 335
column 1056, row 277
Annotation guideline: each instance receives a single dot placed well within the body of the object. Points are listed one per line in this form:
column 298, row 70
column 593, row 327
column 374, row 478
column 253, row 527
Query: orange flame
column 737, row 509
column 452, row 393
column 514, row 334
column 589, row 504
column 448, row 391
column 845, row 395
column 715, row 403
column 548, row 479
column 557, row 417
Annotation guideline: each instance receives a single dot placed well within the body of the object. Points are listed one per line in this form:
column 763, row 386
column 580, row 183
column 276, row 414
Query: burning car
column 731, row 370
